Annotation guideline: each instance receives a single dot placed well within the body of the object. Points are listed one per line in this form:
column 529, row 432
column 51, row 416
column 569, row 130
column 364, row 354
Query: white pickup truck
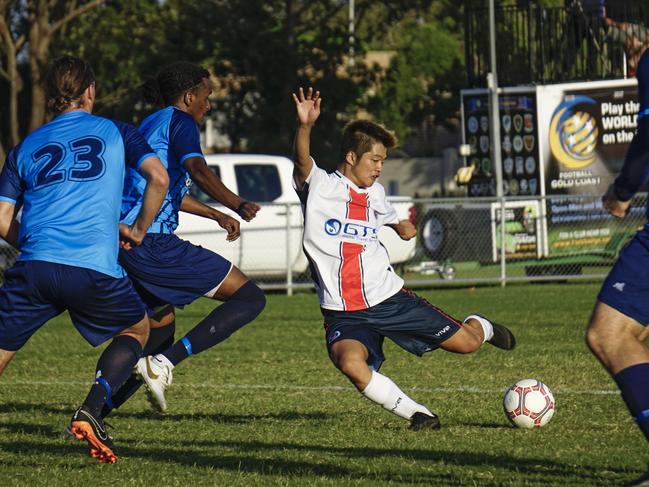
column 272, row 241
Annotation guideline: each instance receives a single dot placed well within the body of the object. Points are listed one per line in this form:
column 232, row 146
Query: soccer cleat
column 503, row 337
column 419, row 421
column 84, row 426
column 642, row 481
column 157, row 377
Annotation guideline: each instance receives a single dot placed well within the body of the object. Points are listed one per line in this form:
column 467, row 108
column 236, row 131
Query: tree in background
column 259, row 51
column 27, row 29
column 421, row 87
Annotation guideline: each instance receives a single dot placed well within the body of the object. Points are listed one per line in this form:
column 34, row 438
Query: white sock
column 163, row 361
column 487, row 327
column 383, row 391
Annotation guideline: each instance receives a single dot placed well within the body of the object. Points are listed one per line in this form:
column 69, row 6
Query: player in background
column 68, row 177
column 361, row 298
column 618, row 327
column 167, row 270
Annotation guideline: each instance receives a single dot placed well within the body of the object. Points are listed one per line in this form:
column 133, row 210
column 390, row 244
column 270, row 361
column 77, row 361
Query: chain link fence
column 459, row 241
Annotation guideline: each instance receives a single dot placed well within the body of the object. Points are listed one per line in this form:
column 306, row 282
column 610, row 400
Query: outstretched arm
column 308, row 110
column 191, row 205
column 214, row 187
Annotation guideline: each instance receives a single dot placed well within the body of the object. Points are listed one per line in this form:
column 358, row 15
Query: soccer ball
column 529, row 404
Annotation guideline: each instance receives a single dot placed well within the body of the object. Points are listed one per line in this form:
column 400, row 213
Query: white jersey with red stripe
column 349, row 265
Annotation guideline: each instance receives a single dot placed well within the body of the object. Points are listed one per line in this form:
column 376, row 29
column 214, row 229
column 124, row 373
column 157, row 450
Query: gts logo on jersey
column 335, row 227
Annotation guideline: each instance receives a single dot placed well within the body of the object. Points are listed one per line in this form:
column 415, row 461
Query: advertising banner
column 518, row 139
column 522, row 230
column 588, row 128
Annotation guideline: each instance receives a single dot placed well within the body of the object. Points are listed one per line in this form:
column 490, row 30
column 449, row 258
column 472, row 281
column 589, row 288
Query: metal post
column 492, row 81
column 352, row 22
column 289, row 266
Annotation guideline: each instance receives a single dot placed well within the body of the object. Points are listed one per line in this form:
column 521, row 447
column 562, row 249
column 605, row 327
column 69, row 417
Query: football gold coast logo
column 573, row 133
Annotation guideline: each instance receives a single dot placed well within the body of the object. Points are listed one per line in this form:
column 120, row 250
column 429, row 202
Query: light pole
column 351, row 33
column 494, row 112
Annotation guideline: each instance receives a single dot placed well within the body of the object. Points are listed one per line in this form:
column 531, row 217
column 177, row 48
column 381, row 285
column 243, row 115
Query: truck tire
column 438, row 232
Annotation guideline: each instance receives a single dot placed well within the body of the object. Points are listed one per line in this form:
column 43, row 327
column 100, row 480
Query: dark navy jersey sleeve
column 636, row 162
column 184, row 137
column 136, row 147
column 11, row 184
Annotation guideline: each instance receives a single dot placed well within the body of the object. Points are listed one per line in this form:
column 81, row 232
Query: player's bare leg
column 5, row 358
column 476, row 331
column 350, row 357
column 615, row 339
column 618, row 342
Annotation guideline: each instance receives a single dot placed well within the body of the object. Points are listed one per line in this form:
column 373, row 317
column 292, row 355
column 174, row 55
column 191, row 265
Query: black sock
column 113, row 368
column 242, row 307
column 634, row 386
column 159, row 339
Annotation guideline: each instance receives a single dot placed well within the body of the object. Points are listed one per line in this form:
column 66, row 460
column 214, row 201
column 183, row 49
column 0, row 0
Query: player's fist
column 405, row 229
column 248, row 210
column 613, row 205
column 129, row 237
column 230, row 225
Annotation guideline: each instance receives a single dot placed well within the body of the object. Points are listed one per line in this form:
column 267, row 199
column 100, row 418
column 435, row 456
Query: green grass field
column 267, row 407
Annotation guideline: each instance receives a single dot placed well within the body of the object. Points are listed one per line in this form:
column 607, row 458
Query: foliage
column 261, row 51
column 423, row 82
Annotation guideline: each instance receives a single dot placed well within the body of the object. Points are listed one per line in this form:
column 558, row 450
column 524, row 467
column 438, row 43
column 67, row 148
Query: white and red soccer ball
column 529, row 404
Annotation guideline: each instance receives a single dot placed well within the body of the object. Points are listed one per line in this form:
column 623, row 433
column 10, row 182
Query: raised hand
column 307, row 106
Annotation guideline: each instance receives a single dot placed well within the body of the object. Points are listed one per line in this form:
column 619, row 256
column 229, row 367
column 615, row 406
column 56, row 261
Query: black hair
column 173, row 81
column 65, row 81
column 360, row 135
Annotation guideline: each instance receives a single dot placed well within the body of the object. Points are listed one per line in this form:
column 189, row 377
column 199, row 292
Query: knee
column 253, row 296
column 256, row 298
column 352, row 367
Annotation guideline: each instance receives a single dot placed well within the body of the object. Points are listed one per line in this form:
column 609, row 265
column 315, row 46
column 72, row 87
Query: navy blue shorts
column 627, row 287
column 168, row 270
column 405, row 318
column 35, row 291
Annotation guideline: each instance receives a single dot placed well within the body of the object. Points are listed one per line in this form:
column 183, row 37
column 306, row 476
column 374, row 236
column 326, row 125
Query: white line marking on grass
column 285, row 387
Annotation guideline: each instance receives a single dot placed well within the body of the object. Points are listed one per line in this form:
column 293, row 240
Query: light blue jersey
column 174, row 135
column 69, row 177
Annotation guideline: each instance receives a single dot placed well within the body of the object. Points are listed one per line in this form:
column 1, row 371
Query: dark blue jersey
column 636, row 162
column 642, row 73
column 174, row 135
column 69, row 177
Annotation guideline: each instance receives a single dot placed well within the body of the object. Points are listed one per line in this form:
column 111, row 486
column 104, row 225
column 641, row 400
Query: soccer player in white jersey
column 361, row 298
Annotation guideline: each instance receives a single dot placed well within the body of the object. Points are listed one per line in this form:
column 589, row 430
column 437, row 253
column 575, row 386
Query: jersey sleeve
column 385, row 212
column 136, row 147
column 633, row 171
column 184, row 137
column 11, row 184
column 313, row 180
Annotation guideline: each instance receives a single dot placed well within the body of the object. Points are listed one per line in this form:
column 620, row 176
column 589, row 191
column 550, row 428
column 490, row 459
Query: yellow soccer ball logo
column 573, row 134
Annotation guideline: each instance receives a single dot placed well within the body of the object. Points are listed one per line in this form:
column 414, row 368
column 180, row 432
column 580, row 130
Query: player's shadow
column 25, row 407
column 222, row 418
column 147, row 415
column 334, row 463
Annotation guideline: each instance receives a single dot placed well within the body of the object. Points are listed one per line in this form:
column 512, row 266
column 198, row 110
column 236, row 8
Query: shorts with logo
column 405, row 318
column 626, row 288
column 35, row 291
column 168, row 270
